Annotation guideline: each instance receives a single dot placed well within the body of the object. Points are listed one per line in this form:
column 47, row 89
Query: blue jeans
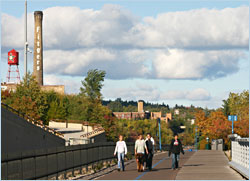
column 175, row 160
column 120, row 159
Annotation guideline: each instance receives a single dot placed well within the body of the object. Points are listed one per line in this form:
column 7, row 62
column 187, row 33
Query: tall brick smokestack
column 38, row 47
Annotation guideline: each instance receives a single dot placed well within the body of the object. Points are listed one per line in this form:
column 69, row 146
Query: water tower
column 13, row 61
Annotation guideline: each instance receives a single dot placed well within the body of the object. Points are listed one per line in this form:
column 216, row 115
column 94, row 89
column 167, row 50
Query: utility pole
column 159, row 123
column 25, row 40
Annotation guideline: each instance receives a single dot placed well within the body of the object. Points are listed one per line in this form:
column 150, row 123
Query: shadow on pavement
column 158, row 169
column 193, row 165
column 158, row 158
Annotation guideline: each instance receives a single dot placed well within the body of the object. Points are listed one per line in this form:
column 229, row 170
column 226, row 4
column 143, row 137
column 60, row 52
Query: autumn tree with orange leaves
column 221, row 127
column 216, row 124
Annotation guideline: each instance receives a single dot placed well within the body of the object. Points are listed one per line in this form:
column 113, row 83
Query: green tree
column 115, row 106
column 7, row 97
column 237, row 102
column 131, row 128
column 239, row 105
column 52, row 112
column 90, row 95
column 225, row 107
column 130, row 108
column 75, row 107
column 110, row 127
column 30, row 100
column 175, row 124
column 92, row 84
column 57, row 110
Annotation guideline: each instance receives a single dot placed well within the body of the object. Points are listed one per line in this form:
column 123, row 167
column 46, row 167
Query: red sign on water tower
column 13, row 58
column 13, row 61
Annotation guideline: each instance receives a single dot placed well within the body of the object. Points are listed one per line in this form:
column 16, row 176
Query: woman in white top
column 140, row 146
column 121, row 150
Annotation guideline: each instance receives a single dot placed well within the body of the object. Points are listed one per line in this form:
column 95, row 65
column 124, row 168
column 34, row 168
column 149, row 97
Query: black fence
column 31, row 120
column 55, row 162
column 17, row 134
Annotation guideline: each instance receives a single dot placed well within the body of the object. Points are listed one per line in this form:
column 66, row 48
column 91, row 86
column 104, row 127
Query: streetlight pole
column 207, row 145
column 25, row 40
column 159, row 122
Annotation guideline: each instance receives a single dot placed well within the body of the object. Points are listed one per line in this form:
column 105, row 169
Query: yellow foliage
column 203, row 144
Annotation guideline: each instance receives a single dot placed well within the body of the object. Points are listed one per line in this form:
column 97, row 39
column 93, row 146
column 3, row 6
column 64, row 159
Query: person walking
column 175, row 149
column 150, row 147
column 140, row 145
column 137, row 161
column 151, row 138
column 121, row 150
column 153, row 141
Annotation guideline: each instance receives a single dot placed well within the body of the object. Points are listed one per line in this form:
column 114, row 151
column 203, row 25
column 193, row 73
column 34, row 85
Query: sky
column 173, row 52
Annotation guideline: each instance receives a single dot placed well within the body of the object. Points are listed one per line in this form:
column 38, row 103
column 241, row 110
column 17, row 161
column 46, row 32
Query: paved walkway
column 161, row 169
column 208, row 165
column 201, row 165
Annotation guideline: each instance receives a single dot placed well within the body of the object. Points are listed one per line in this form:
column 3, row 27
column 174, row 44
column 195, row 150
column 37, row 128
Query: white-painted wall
column 53, row 124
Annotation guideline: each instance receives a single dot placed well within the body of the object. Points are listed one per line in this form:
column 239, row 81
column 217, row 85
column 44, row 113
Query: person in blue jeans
column 175, row 149
column 121, row 150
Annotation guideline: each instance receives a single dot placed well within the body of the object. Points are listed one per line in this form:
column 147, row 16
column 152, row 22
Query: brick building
column 142, row 115
column 155, row 115
column 130, row 115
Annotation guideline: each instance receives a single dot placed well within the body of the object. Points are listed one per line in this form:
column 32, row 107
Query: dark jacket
column 175, row 148
column 149, row 145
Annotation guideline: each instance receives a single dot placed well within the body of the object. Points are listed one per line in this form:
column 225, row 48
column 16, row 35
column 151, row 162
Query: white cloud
column 71, row 27
column 183, row 64
column 71, row 86
column 173, row 95
column 193, row 44
column 11, row 37
column 77, row 63
column 198, row 94
column 195, row 29
column 148, row 93
column 131, row 94
column 12, row 31
column 72, row 62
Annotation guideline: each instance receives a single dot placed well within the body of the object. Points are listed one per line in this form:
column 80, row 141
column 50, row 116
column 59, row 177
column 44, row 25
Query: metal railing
column 59, row 162
column 240, row 156
column 32, row 120
column 93, row 133
column 78, row 141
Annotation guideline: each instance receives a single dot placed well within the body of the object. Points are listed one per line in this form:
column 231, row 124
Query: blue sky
column 176, row 52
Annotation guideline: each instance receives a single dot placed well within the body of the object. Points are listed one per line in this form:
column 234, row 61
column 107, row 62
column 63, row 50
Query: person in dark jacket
column 175, row 149
column 149, row 156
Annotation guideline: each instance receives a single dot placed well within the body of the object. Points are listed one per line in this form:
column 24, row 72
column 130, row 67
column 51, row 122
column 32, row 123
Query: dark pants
column 149, row 160
column 140, row 158
column 175, row 160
